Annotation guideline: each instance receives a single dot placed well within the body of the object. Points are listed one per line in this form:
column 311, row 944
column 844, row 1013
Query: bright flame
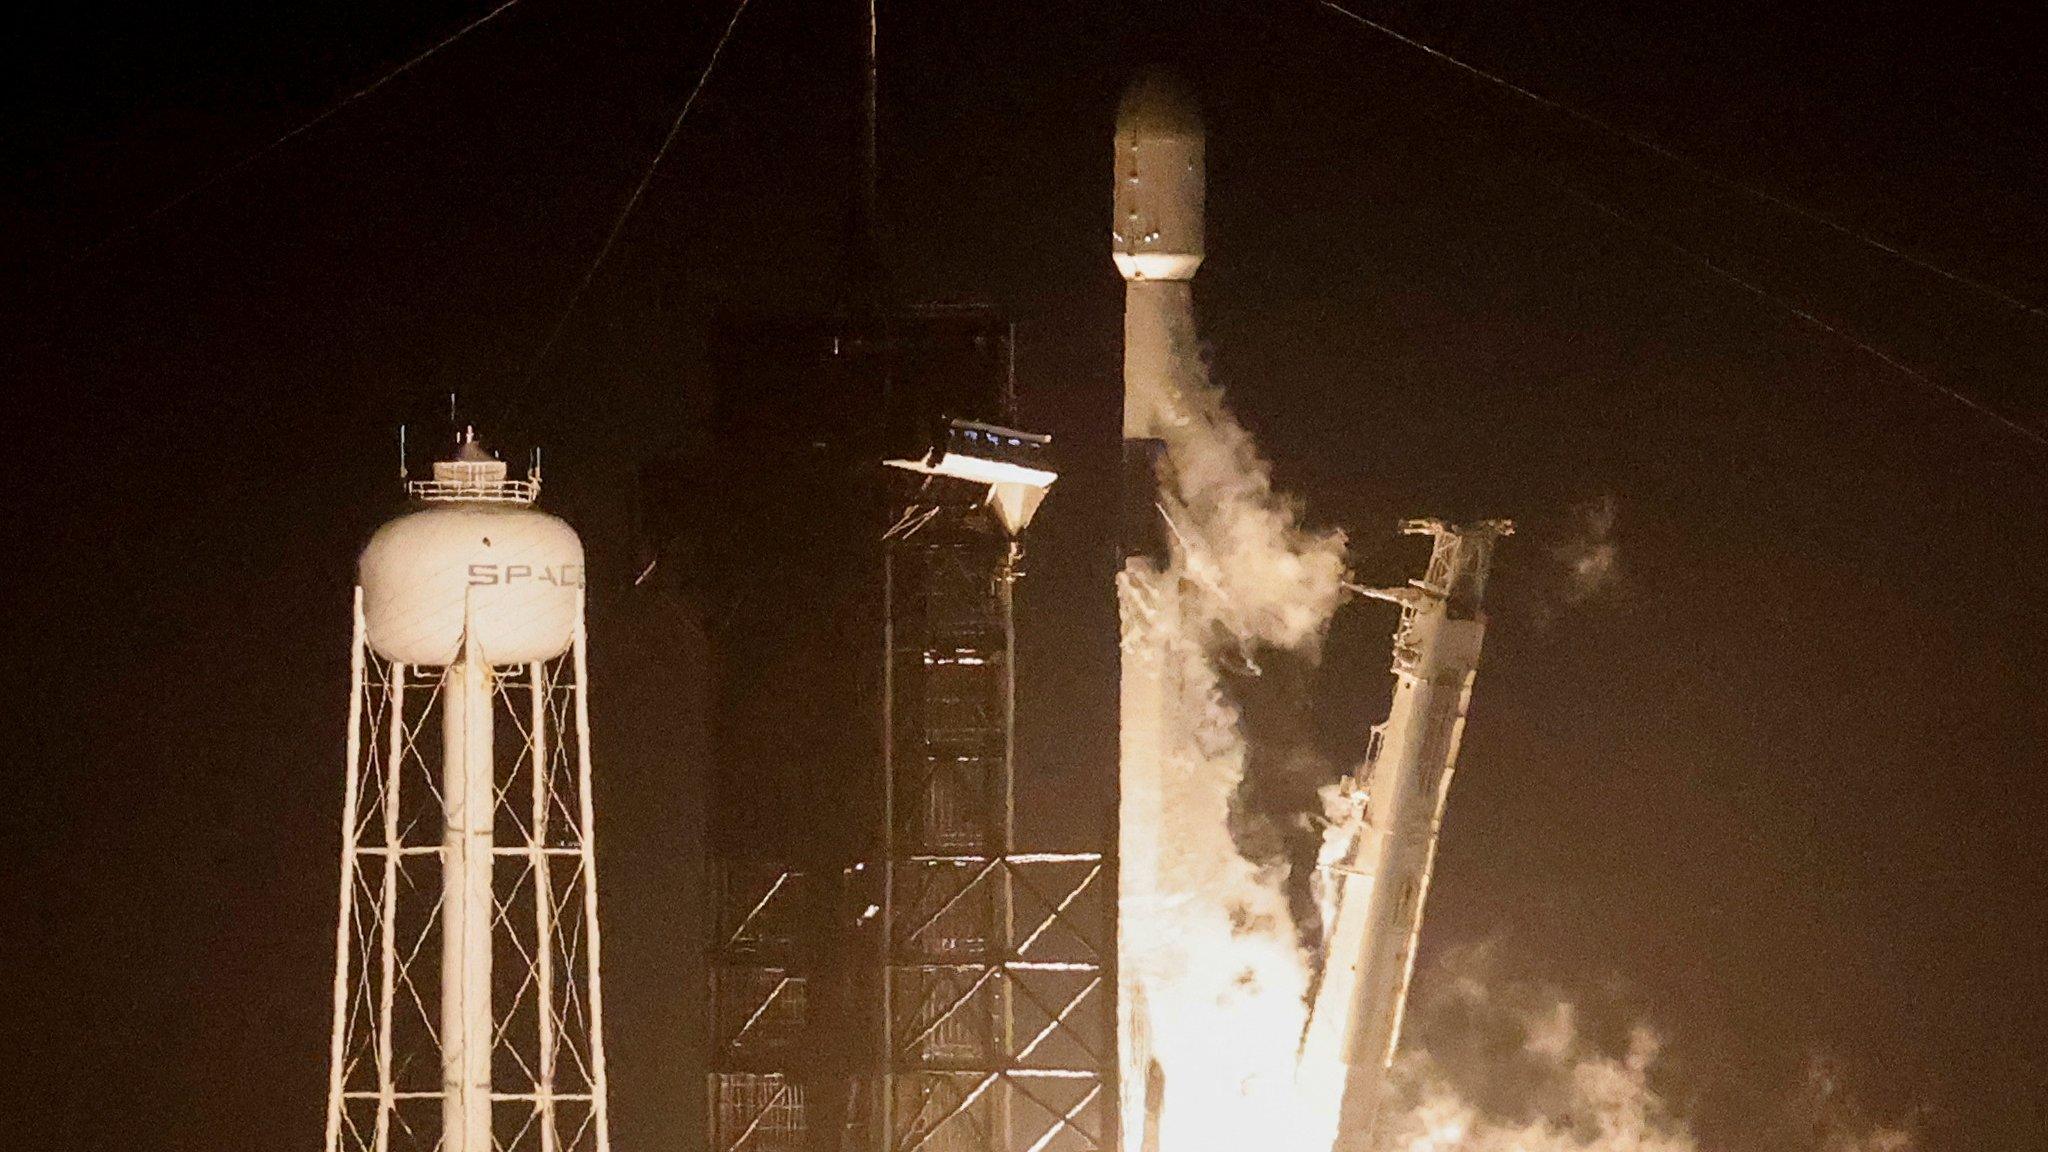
column 1225, row 983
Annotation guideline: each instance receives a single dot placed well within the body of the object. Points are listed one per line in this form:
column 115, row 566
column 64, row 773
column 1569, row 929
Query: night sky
column 1778, row 790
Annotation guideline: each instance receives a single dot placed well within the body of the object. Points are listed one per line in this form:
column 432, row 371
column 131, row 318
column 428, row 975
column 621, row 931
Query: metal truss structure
column 948, row 993
column 996, row 1007
column 888, row 972
column 393, row 1060
column 1001, row 1042
column 760, row 1010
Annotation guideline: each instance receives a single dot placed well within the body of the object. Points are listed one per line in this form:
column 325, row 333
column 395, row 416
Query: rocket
column 1156, row 235
column 1375, row 865
column 1375, row 868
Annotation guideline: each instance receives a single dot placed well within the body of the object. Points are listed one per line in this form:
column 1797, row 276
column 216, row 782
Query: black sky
column 1780, row 791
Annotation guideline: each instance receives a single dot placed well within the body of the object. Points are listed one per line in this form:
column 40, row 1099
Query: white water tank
column 475, row 552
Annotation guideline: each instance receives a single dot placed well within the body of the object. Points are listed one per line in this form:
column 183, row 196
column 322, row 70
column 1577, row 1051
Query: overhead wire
column 632, row 201
column 1807, row 316
column 250, row 158
column 1723, row 272
column 1699, row 169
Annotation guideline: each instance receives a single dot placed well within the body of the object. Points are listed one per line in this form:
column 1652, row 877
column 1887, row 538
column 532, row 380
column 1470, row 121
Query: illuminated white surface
column 515, row 571
column 979, row 470
column 1376, row 866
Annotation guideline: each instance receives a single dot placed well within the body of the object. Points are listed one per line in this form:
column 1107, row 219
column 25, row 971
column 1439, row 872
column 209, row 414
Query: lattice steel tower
column 994, row 999
column 467, row 1002
column 889, row 972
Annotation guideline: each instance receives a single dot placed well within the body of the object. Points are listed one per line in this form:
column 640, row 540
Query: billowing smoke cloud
column 1224, row 976
column 1568, row 1094
column 1260, row 578
column 1235, row 623
column 1589, row 553
column 1509, row 1067
column 1839, row 1124
column 1585, row 561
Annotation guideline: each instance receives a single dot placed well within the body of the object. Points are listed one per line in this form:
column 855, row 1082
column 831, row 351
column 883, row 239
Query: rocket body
column 1156, row 234
column 1376, row 867
column 1156, row 237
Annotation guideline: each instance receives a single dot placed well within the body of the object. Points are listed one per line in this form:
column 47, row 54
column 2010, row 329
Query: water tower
column 467, row 1004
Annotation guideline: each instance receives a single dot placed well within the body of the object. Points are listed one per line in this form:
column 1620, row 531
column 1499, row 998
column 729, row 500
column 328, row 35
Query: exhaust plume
column 1214, row 946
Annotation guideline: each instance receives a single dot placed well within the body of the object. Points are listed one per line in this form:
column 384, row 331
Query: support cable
column 1699, row 169
column 288, row 137
column 632, row 202
column 1721, row 271
column 1808, row 317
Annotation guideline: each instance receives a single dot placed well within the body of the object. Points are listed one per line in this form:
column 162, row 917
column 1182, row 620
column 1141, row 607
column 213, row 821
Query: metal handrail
column 465, row 492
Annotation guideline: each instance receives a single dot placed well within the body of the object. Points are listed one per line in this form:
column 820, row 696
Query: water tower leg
column 540, row 757
column 587, row 811
column 387, row 917
column 342, row 940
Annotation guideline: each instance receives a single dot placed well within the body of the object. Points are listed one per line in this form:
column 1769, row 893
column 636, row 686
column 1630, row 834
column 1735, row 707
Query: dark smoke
column 1272, row 817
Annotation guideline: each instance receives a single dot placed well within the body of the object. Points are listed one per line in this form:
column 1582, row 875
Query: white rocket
column 1157, row 238
column 1376, row 866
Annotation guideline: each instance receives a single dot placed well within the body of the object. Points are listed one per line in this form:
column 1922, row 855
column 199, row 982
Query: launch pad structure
column 889, row 970
column 989, row 971
column 898, row 975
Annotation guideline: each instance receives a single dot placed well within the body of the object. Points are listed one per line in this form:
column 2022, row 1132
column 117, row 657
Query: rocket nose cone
column 1158, row 104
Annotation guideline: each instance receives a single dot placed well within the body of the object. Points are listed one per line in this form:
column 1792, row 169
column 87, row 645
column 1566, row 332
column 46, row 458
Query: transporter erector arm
column 1376, row 870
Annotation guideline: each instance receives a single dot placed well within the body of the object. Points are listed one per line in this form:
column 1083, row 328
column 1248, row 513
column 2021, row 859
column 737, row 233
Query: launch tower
column 888, row 972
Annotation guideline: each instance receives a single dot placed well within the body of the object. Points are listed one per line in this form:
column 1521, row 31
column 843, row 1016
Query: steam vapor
column 1245, row 598
column 1225, row 975
column 1589, row 554
column 1510, row 1067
